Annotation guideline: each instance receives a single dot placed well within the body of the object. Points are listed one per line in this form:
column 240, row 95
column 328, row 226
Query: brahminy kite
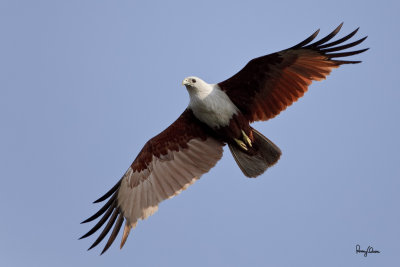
column 218, row 114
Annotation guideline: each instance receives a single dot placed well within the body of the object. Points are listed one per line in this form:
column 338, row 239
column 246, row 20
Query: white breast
column 212, row 106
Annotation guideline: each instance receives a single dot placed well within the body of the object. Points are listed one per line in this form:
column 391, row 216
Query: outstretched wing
column 269, row 84
column 167, row 164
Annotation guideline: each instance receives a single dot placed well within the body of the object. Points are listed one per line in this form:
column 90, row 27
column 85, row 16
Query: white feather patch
column 165, row 178
column 214, row 108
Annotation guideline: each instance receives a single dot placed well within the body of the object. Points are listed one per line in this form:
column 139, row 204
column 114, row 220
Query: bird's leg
column 246, row 139
column 240, row 143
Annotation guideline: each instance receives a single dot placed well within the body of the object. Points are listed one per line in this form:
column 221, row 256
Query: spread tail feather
column 254, row 164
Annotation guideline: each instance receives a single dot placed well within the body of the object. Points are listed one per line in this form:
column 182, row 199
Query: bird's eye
column 193, row 81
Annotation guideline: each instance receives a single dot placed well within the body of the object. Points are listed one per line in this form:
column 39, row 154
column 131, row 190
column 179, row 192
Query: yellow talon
column 241, row 144
column 247, row 139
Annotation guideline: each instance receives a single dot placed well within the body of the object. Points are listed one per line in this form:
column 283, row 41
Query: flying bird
column 218, row 114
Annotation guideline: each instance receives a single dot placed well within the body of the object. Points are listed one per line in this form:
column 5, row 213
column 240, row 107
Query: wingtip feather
column 306, row 41
column 114, row 233
column 109, row 192
column 125, row 235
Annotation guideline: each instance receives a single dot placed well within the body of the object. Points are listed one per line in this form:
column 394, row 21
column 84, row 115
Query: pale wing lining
column 164, row 178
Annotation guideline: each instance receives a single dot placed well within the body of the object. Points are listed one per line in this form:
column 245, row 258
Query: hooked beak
column 185, row 82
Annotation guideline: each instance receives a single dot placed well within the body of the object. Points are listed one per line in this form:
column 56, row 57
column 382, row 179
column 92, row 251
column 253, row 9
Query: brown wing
column 167, row 164
column 269, row 84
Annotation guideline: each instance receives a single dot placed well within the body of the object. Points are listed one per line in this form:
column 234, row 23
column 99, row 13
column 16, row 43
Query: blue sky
column 84, row 84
